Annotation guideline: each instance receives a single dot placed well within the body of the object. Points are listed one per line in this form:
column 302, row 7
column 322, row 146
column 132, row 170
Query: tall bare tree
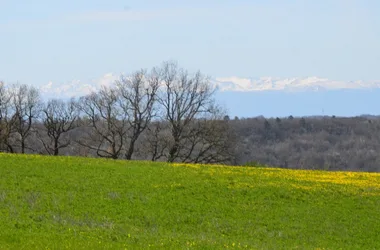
column 6, row 119
column 137, row 97
column 208, row 140
column 184, row 99
column 107, row 123
column 59, row 118
column 26, row 105
column 155, row 141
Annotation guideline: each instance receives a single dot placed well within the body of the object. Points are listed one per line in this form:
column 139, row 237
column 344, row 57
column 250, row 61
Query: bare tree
column 106, row 121
column 137, row 97
column 6, row 119
column 155, row 142
column 208, row 140
column 59, row 118
column 4, row 101
column 184, row 99
column 26, row 106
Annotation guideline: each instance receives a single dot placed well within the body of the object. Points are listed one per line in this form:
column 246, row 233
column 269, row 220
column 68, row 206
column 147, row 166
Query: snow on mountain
column 224, row 84
column 289, row 84
column 77, row 88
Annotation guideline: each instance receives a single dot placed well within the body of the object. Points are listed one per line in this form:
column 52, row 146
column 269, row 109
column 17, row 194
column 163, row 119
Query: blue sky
column 42, row 41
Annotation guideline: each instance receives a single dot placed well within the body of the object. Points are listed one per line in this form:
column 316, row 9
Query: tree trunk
column 173, row 151
column 56, row 147
column 130, row 150
column 22, row 146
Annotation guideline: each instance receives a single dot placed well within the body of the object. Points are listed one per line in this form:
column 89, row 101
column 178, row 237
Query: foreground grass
column 66, row 202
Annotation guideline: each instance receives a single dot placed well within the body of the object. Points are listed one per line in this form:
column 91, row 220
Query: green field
column 81, row 203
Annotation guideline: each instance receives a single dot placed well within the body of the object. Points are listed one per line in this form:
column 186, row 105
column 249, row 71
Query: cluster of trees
column 328, row 143
column 165, row 114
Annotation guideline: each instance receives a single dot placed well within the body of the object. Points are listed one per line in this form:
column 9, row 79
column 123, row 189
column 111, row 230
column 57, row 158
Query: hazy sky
column 42, row 41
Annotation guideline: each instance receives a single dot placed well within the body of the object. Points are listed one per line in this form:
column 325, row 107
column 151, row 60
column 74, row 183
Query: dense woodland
column 167, row 114
column 328, row 143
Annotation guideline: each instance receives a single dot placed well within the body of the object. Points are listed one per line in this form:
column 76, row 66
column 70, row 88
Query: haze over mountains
column 290, row 84
column 268, row 96
column 295, row 84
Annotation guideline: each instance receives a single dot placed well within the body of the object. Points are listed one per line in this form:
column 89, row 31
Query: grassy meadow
column 81, row 203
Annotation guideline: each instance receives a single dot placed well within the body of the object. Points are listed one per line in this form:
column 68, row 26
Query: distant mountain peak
column 312, row 83
column 77, row 88
column 232, row 83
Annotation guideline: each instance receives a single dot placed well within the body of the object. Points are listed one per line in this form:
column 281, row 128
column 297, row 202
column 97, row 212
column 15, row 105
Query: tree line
column 319, row 142
column 164, row 114
column 168, row 114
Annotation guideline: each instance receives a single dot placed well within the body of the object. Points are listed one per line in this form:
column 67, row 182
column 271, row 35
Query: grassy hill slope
column 67, row 202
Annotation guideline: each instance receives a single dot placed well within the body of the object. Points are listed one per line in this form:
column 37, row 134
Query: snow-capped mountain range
column 234, row 84
column 267, row 96
column 290, row 84
column 76, row 88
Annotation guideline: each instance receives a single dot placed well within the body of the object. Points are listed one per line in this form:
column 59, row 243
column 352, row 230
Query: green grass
column 80, row 203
